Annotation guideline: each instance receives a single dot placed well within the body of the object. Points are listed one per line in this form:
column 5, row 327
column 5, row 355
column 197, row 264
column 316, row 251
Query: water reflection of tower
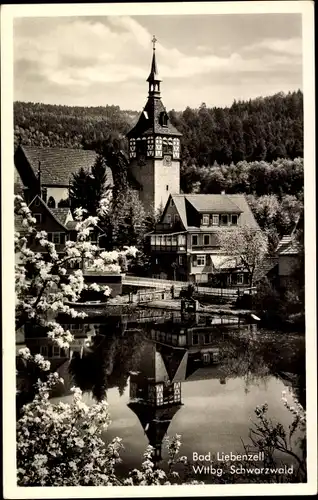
column 155, row 391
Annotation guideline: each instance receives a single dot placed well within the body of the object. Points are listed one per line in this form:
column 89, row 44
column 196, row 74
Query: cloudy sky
column 94, row 61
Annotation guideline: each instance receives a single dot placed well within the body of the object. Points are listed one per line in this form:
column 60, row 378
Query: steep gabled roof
column 58, row 164
column 50, row 210
column 64, row 215
column 149, row 121
column 179, row 201
column 213, row 203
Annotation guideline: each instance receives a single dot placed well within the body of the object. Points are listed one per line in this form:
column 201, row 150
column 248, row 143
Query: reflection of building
column 202, row 336
column 83, row 334
column 156, row 389
column 155, row 392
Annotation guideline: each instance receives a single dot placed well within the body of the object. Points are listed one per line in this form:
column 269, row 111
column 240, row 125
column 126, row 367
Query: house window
column 38, row 218
column 44, row 351
column 168, row 219
column 206, row 239
column 56, row 238
column 50, row 236
column 195, row 339
column 37, row 202
column 181, row 239
column 234, row 220
column 171, row 203
column 181, row 260
column 224, row 220
column 62, row 238
column 194, row 239
column 201, row 260
column 239, row 279
column 206, row 338
column 205, row 220
column 176, row 218
column 215, row 220
column 56, row 352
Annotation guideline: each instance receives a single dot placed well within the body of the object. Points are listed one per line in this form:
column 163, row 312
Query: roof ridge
column 48, row 208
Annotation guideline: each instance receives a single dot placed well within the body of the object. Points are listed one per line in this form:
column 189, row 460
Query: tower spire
column 153, row 78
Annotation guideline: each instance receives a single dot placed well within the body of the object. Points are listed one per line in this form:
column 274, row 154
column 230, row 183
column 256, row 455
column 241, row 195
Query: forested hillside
column 266, row 128
column 46, row 125
column 261, row 129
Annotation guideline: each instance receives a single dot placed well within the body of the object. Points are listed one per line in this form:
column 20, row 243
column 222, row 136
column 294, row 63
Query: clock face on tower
column 167, row 160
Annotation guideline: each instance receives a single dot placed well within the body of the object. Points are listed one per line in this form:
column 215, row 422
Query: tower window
column 163, row 119
column 167, row 187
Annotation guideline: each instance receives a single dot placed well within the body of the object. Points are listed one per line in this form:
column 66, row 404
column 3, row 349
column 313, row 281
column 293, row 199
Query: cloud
column 83, row 54
column 289, row 46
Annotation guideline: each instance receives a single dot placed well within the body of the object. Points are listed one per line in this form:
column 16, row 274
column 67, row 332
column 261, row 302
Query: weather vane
column 154, row 40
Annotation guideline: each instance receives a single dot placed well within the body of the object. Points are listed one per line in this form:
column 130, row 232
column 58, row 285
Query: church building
column 154, row 148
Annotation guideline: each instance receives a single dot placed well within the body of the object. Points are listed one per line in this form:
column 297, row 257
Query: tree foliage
column 248, row 245
column 87, row 188
column 125, row 223
column 280, row 177
column 266, row 128
column 259, row 129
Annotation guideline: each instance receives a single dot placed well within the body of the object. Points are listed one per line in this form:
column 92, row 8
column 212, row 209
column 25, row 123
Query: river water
column 185, row 376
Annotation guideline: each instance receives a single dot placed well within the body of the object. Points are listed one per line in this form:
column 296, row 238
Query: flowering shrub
column 62, row 445
column 43, row 285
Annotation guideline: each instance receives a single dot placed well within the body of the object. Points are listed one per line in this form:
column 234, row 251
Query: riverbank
column 175, row 305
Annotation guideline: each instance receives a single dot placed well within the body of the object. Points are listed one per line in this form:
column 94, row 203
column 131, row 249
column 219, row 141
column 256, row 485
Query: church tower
column 154, row 148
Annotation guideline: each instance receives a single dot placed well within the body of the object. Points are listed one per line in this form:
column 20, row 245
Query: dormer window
column 224, row 219
column 205, row 219
column 164, row 119
column 234, row 220
column 215, row 220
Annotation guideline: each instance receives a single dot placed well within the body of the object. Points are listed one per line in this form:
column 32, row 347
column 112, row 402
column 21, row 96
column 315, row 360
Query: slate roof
column 61, row 214
column 217, row 203
column 154, row 75
column 149, row 122
column 58, row 164
column 288, row 245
